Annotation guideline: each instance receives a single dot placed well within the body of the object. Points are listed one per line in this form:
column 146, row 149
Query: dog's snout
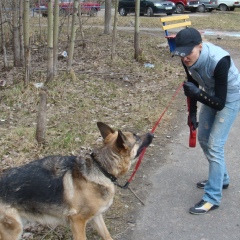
column 150, row 136
column 148, row 139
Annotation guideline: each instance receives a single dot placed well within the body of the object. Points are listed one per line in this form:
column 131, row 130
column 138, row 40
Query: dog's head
column 125, row 147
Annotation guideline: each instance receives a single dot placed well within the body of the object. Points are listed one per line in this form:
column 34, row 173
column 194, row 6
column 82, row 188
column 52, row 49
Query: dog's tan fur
column 85, row 192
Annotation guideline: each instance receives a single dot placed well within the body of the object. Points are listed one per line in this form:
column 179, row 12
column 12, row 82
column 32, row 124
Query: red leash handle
column 193, row 132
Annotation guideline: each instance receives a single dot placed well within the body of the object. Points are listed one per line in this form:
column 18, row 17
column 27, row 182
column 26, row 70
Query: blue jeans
column 213, row 130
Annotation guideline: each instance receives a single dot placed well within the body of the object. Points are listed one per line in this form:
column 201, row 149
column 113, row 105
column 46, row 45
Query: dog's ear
column 121, row 139
column 105, row 130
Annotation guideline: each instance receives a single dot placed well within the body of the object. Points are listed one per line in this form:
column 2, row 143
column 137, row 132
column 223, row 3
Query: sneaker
column 202, row 184
column 202, row 207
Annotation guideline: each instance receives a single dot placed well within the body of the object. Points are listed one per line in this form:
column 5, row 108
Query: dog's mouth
column 146, row 142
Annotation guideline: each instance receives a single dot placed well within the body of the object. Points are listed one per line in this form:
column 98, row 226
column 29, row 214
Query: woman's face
column 190, row 59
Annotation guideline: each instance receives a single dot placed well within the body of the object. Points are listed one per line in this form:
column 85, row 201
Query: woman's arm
column 221, row 80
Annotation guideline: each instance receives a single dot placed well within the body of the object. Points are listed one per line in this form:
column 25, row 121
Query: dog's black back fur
column 40, row 181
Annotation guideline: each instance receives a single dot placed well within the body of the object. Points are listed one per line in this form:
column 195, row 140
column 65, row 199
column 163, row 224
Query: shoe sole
column 201, row 213
column 224, row 186
column 194, row 213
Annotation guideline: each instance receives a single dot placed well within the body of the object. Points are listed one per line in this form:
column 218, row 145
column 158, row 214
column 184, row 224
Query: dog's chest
column 105, row 207
column 103, row 197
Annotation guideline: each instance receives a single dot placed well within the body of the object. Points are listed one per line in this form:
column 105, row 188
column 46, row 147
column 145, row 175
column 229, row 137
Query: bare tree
column 16, row 41
column 42, row 117
column 3, row 38
column 107, row 17
column 50, row 74
column 73, row 35
column 114, row 30
column 21, row 31
column 81, row 23
column 55, row 37
column 138, row 51
column 26, row 41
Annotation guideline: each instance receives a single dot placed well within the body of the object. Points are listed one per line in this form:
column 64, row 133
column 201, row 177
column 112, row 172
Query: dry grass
column 121, row 92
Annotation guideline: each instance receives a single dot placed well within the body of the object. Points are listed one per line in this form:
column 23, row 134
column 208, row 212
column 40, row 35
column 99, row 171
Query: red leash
column 152, row 131
column 193, row 132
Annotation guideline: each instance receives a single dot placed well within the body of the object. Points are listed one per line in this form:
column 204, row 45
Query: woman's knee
column 204, row 145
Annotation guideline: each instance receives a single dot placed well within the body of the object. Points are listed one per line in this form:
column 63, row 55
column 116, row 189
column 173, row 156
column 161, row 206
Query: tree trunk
column 138, row 52
column 73, row 36
column 42, row 117
column 81, row 24
column 107, row 22
column 26, row 41
column 21, row 31
column 3, row 38
column 68, row 26
column 50, row 42
column 16, row 42
column 114, row 30
column 55, row 37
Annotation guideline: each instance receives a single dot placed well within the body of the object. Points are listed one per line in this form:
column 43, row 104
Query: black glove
column 192, row 118
column 191, row 90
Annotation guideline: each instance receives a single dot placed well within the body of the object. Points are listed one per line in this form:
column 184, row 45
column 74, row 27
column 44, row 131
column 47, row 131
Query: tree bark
column 73, row 36
column 55, row 37
column 16, row 41
column 27, row 42
column 50, row 74
column 138, row 52
column 5, row 62
column 107, row 17
column 114, row 30
column 42, row 117
column 81, row 24
column 21, row 31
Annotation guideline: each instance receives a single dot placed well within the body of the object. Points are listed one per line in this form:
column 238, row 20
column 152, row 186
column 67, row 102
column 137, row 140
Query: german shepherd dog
column 72, row 190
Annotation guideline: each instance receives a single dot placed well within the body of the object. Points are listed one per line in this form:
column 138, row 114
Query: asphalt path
column 165, row 215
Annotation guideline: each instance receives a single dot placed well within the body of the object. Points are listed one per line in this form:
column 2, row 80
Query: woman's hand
column 191, row 90
column 192, row 119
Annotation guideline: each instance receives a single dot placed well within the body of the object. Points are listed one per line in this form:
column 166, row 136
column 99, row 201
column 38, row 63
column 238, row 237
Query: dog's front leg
column 78, row 227
column 99, row 225
column 11, row 227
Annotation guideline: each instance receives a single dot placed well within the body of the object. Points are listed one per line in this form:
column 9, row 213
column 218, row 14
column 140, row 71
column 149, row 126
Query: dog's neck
column 102, row 169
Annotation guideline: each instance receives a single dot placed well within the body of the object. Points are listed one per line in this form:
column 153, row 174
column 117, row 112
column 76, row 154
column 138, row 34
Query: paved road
column 166, row 217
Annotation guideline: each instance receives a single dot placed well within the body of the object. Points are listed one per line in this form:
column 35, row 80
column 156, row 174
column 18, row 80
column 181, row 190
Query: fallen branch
column 136, row 196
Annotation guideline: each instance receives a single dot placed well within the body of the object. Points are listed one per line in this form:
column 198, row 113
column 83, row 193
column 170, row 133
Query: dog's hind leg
column 11, row 227
column 78, row 227
column 99, row 224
